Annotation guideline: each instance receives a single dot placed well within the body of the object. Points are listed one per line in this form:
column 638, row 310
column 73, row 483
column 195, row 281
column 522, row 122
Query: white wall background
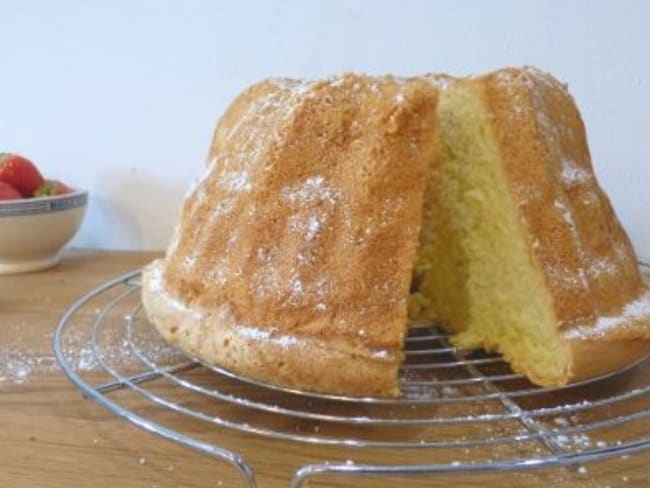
column 121, row 97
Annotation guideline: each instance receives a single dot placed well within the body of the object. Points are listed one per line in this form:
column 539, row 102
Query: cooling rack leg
column 246, row 472
column 302, row 475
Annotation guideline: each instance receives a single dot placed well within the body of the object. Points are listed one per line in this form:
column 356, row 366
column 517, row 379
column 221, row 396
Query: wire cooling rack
column 461, row 412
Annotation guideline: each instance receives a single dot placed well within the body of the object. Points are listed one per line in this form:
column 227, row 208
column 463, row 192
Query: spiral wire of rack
column 509, row 424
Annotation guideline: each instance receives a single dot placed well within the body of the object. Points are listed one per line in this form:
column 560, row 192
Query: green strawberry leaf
column 45, row 190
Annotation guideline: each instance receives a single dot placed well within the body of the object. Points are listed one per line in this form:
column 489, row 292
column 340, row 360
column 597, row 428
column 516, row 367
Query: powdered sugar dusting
column 564, row 274
column 505, row 81
column 637, row 309
column 26, row 356
column 236, row 181
column 552, row 129
column 442, row 82
column 18, row 364
column 570, row 278
column 296, row 286
column 545, row 78
column 310, row 226
column 285, row 341
column 602, row 266
column 313, row 227
column 222, row 208
column 297, row 291
column 176, row 238
column 219, row 272
column 240, row 146
column 188, row 261
column 311, row 190
column 567, row 216
column 383, row 354
column 307, row 198
column 265, row 281
column 622, row 252
column 578, row 441
column 157, row 285
column 266, row 336
column 572, row 174
column 336, row 81
column 200, row 180
column 295, row 86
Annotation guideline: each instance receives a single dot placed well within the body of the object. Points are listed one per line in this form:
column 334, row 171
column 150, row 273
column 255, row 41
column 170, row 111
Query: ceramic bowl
column 34, row 231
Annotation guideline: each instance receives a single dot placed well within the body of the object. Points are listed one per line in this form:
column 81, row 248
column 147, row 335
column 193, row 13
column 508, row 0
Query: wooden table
column 50, row 436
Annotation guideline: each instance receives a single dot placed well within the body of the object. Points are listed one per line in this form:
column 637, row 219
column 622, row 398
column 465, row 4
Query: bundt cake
column 332, row 212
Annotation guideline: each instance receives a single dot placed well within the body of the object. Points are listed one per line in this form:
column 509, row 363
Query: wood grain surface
column 50, row 436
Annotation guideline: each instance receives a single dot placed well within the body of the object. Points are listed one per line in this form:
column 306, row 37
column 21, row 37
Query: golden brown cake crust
column 307, row 219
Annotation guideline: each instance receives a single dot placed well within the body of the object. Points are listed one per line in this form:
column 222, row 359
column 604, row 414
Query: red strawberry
column 20, row 173
column 8, row 192
column 51, row 188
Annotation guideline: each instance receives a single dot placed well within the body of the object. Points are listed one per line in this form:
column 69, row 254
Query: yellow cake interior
column 475, row 272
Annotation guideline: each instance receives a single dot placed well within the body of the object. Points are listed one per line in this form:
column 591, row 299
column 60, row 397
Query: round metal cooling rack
column 466, row 411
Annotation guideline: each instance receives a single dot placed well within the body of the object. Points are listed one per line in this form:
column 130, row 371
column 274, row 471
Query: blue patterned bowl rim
column 43, row 205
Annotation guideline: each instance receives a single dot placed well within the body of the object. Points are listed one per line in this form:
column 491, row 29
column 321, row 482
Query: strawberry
column 8, row 192
column 51, row 188
column 20, row 173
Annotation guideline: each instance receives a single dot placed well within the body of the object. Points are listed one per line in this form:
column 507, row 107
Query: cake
column 332, row 214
